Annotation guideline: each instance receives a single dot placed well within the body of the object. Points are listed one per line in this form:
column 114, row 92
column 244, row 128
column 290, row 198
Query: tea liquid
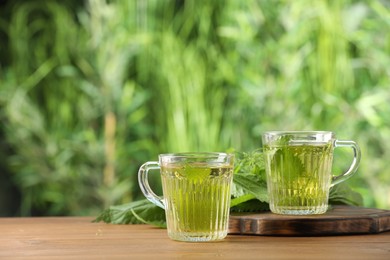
column 197, row 200
column 299, row 177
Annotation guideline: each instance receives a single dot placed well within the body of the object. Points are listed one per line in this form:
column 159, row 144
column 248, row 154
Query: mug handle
column 355, row 163
column 144, row 183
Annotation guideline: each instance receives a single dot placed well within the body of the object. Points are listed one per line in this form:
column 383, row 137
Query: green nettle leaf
column 342, row 194
column 284, row 156
column 197, row 174
column 291, row 162
column 241, row 199
column 253, row 185
column 250, row 163
column 137, row 212
column 250, row 206
column 249, row 182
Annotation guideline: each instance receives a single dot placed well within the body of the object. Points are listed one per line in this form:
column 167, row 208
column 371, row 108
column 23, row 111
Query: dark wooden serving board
column 340, row 220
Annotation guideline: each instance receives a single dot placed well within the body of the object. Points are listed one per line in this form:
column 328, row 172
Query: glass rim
column 296, row 137
column 303, row 132
column 206, row 155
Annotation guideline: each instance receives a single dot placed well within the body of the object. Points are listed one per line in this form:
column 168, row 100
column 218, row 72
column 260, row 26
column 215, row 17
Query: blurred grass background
column 89, row 90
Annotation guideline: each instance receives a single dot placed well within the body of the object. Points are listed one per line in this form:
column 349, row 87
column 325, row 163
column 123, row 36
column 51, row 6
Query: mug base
column 299, row 210
column 197, row 236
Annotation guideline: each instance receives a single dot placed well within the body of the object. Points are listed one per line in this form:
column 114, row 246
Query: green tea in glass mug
column 298, row 168
column 196, row 193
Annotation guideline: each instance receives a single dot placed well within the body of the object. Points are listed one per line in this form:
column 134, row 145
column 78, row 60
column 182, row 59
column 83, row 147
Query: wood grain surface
column 78, row 238
column 340, row 220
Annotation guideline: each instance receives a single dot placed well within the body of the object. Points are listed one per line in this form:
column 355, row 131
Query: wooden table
column 78, row 238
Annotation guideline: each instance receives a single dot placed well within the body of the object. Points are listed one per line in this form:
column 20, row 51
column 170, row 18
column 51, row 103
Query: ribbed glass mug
column 298, row 168
column 196, row 193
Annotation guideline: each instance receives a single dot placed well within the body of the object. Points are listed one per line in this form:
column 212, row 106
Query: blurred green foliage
column 91, row 90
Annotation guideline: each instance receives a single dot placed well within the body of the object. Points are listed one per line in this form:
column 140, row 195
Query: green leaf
column 253, row 205
column 137, row 212
column 195, row 173
column 342, row 194
column 253, row 185
column 283, row 156
column 249, row 180
column 250, row 163
column 238, row 200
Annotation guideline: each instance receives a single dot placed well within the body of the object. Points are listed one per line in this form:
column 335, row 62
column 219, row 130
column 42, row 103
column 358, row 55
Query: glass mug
column 196, row 193
column 298, row 168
